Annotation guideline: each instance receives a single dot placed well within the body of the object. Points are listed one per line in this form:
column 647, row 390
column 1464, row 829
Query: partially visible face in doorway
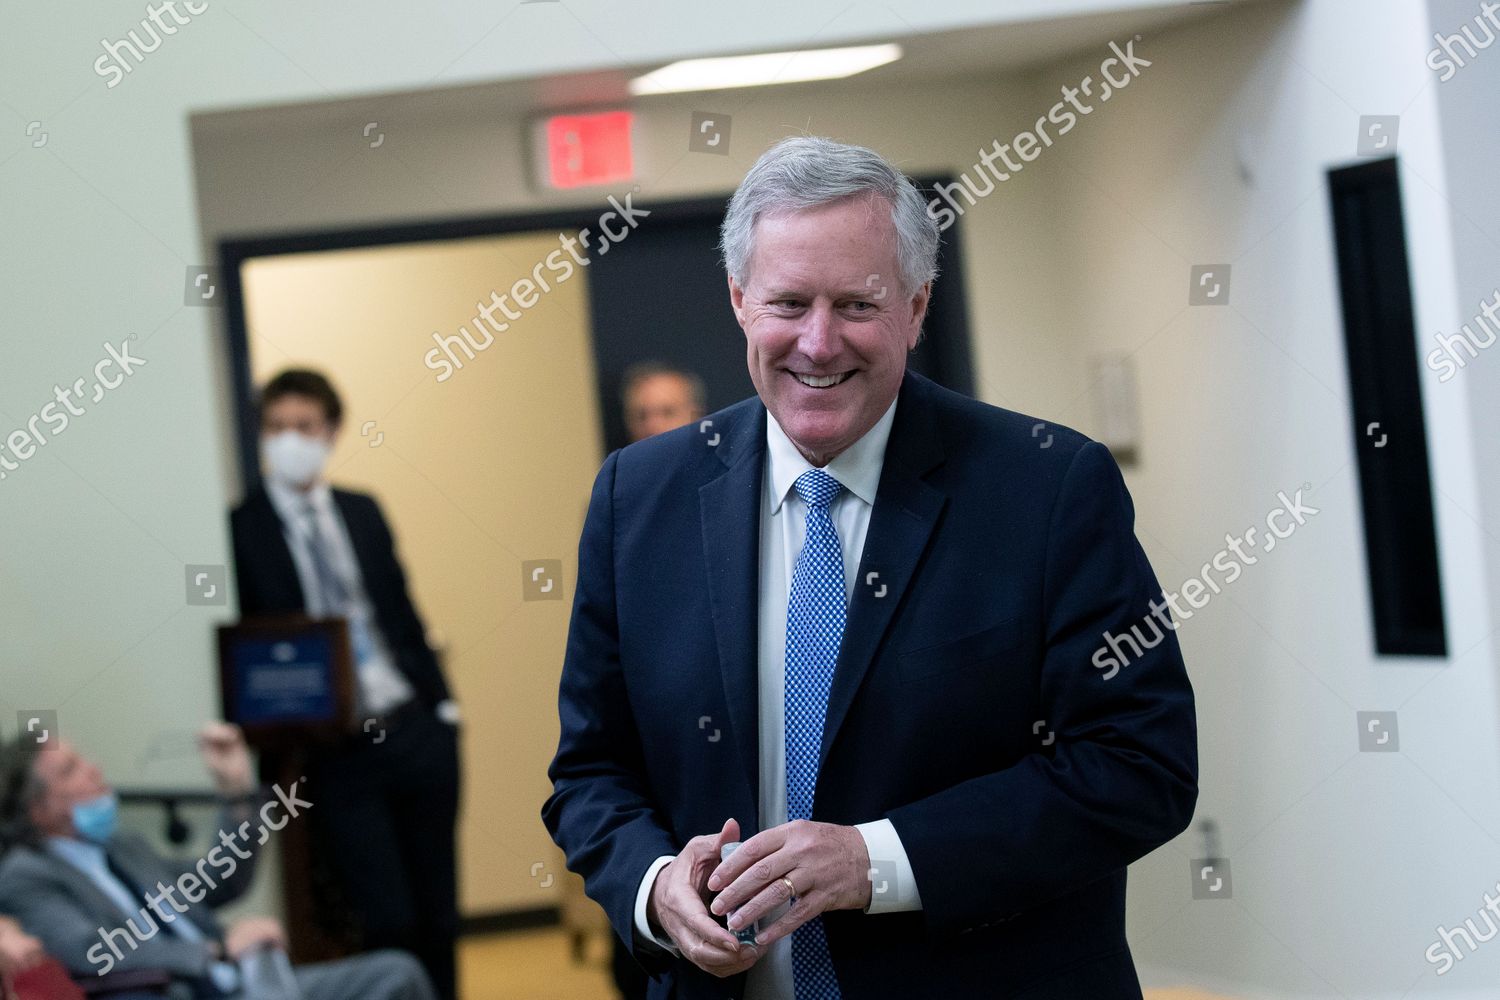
column 658, row 403
column 827, row 326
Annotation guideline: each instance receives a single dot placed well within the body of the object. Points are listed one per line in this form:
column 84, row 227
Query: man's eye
column 858, row 306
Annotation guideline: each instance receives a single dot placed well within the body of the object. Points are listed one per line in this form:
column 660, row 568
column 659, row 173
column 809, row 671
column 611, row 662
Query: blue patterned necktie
column 814, row 628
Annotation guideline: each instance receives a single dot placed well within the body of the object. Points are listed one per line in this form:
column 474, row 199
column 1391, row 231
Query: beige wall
column 476, row 474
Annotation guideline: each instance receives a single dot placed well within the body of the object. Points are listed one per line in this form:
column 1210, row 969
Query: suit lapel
column 80, row 885
column 906, row 511
column 146, row 869
column 730, row 506
column 279, row 554
column 356, row 526
column 142, row 866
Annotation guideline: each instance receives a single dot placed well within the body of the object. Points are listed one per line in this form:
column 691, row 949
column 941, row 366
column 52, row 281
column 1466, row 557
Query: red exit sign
column 587, row 150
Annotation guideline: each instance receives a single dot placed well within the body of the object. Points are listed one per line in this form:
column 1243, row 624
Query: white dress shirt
column 783, row 527
column 382, row 685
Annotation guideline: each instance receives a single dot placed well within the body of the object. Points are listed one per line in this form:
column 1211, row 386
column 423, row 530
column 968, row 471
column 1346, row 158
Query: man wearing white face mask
column 388, row 805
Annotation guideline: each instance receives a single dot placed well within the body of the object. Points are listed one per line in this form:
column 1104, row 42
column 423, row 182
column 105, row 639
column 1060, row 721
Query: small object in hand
column 745, row 935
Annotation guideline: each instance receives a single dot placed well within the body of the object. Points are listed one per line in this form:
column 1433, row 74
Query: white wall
column 1466, row 105
column 1343, row 862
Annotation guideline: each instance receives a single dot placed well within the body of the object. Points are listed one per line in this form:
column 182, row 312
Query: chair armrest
column 135, row 980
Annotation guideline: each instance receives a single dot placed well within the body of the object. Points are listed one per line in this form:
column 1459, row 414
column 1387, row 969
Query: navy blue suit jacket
column 1002, row 559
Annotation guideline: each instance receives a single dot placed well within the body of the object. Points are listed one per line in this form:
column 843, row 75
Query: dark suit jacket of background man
column 416, row 764
column 268, row 583
column 1002, row 557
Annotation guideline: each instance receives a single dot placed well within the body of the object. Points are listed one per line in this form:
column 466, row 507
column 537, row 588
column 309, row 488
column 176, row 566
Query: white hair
column 804, row 172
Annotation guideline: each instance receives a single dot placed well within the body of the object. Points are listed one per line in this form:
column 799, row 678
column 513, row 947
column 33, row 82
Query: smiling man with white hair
column 849, row 632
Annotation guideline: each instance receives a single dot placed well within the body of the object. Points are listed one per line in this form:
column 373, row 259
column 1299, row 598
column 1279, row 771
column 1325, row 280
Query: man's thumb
column 728, row 835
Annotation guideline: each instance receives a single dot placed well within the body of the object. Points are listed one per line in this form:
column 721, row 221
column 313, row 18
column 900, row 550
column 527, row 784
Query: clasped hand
column 826, row 864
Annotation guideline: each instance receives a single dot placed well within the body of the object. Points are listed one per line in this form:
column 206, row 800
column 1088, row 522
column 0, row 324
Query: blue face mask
column 96, row 819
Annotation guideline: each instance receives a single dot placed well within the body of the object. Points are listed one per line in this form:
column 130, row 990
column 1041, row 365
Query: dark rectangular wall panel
column 1390, row 435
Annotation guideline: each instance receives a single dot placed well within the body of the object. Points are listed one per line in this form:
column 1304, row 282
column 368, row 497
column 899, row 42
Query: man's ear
column 737, row 301
column 37, row 813
column 919, row 303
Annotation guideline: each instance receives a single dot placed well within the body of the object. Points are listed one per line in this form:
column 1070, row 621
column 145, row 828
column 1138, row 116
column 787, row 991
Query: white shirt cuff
column 893, row 887
column 642, row 897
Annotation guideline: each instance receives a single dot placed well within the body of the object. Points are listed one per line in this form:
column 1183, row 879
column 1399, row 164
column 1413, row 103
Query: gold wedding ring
column 790, row 889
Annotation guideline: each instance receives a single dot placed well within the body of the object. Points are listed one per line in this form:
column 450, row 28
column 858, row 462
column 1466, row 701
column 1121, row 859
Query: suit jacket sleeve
column 410, row 639
column 601, row 810
column 1121, row 778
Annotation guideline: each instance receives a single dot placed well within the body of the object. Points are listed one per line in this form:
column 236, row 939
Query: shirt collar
column 857, row 467
column 81, row 854
column 291, row 503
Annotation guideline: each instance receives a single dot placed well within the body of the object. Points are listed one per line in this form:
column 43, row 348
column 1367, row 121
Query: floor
column 538, row 965
column 530, row 965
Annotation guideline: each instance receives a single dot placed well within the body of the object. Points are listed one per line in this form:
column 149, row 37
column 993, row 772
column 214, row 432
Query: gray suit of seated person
column 103, row 900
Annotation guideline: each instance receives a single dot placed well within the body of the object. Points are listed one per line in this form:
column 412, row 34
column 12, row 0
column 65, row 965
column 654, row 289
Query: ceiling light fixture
column 730, row 72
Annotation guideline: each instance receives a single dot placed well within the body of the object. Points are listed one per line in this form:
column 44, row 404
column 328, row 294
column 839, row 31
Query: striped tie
column 333, row 596
column 336, row 601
